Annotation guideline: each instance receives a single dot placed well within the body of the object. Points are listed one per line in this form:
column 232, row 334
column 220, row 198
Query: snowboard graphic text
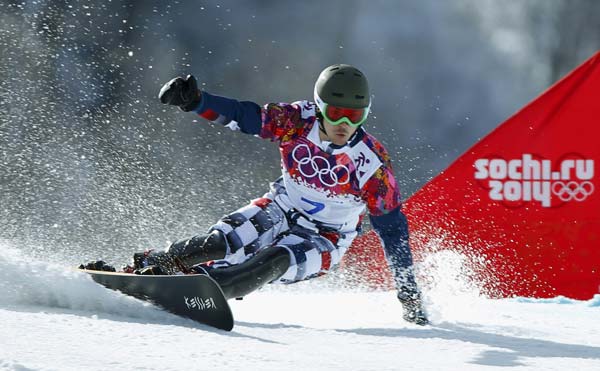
column 199, row 303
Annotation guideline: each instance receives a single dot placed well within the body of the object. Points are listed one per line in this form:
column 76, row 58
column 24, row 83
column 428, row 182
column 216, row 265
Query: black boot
column 200, row 249
column 239, row 280
column 98, row 265
column 412, row 305
column 181, row 255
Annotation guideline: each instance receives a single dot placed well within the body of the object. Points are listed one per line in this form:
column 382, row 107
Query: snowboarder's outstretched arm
column 274, row 121
column 184, row 93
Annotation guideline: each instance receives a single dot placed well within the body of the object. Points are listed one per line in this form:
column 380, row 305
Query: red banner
column 523, row 203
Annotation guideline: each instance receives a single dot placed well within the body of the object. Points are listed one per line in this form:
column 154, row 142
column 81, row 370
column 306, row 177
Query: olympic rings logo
column 568, row 191
column 311, row 166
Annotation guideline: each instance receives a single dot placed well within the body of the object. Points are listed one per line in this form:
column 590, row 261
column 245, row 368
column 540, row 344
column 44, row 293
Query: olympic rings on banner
column 320, row 166
column 568, row 191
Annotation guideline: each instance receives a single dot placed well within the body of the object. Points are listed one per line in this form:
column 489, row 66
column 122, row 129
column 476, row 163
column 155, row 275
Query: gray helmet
column 342, row 85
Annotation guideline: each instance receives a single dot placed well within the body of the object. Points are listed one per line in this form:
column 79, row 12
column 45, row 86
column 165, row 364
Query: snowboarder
column 332, row 170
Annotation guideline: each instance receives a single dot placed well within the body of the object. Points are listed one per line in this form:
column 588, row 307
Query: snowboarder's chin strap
column 321, row 120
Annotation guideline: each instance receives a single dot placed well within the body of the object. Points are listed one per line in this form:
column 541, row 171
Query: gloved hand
column 182, row 92
column 412, row 305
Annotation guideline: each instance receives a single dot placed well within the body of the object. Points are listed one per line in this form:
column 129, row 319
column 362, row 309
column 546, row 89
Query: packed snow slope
column 54, row 318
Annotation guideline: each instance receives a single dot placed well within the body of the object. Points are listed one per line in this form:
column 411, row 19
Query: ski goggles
column 351, row 116
column 335, row 115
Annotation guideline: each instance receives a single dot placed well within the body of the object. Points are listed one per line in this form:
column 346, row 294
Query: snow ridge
column 26, row 283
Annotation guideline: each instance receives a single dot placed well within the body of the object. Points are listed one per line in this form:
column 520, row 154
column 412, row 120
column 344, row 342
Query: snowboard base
column 195, row 296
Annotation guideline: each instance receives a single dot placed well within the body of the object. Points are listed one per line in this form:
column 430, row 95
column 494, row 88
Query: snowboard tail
column 195, row 296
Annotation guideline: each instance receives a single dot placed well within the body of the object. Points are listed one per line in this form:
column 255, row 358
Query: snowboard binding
column 98, row 265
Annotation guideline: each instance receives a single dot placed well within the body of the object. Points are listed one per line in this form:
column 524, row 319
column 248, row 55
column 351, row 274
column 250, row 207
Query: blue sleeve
column 244, row 116
column 392, row 229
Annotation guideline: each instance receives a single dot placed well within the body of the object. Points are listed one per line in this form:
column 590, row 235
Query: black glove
column 412, row 305
column 182, row 92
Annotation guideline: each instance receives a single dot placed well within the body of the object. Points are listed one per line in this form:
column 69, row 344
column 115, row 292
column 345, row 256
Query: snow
column 55, row 318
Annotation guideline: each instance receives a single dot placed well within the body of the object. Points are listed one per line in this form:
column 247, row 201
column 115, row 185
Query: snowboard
column 195, row 296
